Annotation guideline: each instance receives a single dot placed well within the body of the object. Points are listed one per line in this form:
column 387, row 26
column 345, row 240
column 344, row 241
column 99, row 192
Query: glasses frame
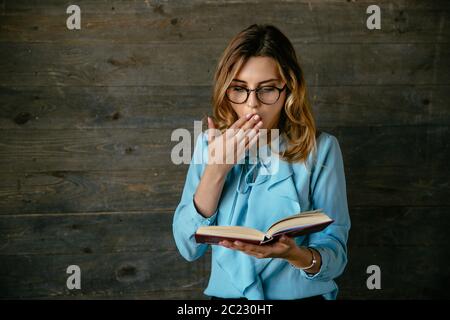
column 256, row 91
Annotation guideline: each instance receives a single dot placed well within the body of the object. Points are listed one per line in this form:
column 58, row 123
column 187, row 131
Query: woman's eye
column 238, row 89
column 267, row 89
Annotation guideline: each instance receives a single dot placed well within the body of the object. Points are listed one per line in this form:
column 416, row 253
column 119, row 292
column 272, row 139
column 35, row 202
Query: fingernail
column 256, row 117
column 248, row 115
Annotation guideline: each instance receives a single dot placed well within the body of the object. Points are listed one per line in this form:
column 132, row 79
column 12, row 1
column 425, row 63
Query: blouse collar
column 266, row 161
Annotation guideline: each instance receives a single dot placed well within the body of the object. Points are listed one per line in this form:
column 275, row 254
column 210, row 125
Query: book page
column 300, row 214
column 232, row 232
column 302, row 220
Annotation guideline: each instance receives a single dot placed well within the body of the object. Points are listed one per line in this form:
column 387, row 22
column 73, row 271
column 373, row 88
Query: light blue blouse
column 280, row 189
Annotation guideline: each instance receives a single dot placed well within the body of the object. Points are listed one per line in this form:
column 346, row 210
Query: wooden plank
column 74, row 192
column 384, row 147
column 86, row 233
column 399, row 226
column 75, row 171
column 380, row 106
column 202, row 21
column 110, row 64
column 171, row 107
column 395, row 186
column 91, row 149
column 407, row 167
column 108, row 275
column 103, row 107
column 147, row 149
column 132, row 232
column 159, row 190
column 408, row 272
column 153, row 191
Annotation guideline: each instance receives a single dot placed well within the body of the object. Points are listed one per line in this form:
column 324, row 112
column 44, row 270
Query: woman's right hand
column 226, row 149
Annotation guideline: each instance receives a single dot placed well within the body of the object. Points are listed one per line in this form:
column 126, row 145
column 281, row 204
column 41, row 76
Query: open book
column 292, row 226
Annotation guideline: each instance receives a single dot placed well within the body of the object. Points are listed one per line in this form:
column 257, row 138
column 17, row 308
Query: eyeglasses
column 267, row 94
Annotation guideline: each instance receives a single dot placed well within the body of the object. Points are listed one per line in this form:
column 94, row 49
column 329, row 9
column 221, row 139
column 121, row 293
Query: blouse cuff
column 323, row 267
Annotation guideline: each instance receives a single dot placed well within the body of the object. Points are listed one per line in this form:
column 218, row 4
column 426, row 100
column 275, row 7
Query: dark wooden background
column 86, row 118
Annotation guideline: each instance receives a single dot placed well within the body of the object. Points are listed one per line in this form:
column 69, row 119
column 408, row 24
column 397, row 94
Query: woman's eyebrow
column 269, row 80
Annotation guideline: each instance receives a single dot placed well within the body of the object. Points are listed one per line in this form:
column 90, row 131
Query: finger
column 252, row 132
column 249, row 252
column 228, row 149
column 251, row 248
column 257, row 254
column 231, row 132
column 251, row 122
column 246, row 133
column 235, row 127
column 253, row 140
column 244, row 143
column 284, row 241
column 240, row 148
column 245, row 130
column 288, row 240
column 224, row 243
column 241, row 121
column 227, row 244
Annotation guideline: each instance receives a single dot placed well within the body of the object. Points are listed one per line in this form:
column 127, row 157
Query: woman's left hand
column 283, row 248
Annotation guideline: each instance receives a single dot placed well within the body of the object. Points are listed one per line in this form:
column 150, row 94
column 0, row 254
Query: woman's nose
column 252, row 100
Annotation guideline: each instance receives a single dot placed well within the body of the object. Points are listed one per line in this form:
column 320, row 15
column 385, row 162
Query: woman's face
column 255, row 73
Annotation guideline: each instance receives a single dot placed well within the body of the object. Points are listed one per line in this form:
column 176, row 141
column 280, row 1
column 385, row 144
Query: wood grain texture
column 402, row 268
column 70, row 191
column 105, row 275
column 96, row 233
column 144, row 149
column 86, row 119
column 216, row 21
column 175, row 64
column 66, row 172
column 159, row 107
column 160, row 190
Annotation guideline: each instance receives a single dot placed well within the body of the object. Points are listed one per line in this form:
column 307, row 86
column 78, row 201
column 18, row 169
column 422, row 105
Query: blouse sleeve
column 187, row 219
column 328, row 192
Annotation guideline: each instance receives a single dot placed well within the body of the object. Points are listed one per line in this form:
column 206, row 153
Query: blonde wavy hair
column 296, row 123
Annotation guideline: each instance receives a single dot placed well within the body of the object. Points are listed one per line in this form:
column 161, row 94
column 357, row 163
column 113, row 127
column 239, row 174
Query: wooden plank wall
column 86, row 118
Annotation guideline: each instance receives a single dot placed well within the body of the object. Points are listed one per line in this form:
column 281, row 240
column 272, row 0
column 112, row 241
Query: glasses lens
column 237, row 94
column 268, row 95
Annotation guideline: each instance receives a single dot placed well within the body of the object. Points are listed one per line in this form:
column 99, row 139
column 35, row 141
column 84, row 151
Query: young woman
column 258, row 85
